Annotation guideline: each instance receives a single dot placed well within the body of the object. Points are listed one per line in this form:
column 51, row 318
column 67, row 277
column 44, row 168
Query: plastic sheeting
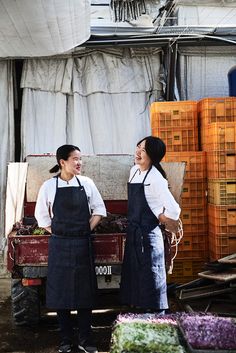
column 42, row 27
column 207, row 14
column 6, row 133
column 203, row 71
column 16, row 179
column 103, row 105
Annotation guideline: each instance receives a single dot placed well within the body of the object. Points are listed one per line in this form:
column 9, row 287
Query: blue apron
column 143, row 278
column 71, row 279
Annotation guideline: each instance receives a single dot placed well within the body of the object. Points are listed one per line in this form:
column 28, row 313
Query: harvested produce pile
column 179, row 332
column 145, row 333
column 113, row 223
column 209, row 332
column 22, row 229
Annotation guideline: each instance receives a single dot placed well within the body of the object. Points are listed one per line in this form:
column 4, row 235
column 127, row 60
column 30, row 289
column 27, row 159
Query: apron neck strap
column 133, row 175
column 78, row 181
column 144, row 177
column 57, row 181
column 146, row 174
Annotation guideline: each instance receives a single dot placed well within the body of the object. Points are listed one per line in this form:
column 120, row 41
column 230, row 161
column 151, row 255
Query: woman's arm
column 42, row 208
column 162, row 202
column 94, row 220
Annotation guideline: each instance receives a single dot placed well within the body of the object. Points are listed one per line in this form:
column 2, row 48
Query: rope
column 175, row 240
column 126, row 10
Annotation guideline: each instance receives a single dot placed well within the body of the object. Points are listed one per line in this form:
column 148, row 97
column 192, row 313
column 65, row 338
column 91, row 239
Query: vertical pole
column 171, row 71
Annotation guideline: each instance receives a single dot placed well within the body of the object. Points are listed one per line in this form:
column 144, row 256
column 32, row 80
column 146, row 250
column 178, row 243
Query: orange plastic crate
column 195, row 163
column 193, row 246
column 221, row 192
column 178, row 139
column 194, row 193
column 217, row 110
column 221, row 245
column 173, row 114
column 222, row 219
column 221, row 164
column 185, row 271
column 194, row 219
column 219, row 137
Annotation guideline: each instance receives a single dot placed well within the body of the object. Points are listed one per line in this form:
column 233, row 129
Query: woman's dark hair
column 63, row 152
column 156, row 150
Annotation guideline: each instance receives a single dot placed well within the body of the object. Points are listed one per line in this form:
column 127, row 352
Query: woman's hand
column 48, row 229
column 170, row 224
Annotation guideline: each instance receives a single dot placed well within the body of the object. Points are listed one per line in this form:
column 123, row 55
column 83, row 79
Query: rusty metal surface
column 29, row 250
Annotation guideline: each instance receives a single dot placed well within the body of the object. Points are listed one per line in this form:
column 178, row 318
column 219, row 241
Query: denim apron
column 71, row 279
column 143, row 278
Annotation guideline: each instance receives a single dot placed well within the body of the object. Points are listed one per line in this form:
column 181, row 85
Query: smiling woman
column 69, row 206
column 150, row 203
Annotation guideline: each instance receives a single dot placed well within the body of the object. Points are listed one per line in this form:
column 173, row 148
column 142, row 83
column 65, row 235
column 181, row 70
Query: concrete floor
column 44, row 338
column 5, row 289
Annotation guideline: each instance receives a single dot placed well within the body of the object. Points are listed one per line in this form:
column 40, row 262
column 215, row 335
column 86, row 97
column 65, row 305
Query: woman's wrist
column 161, row 218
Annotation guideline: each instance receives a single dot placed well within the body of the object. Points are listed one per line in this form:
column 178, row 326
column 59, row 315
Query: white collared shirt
column 47, row 193
column 157, row 193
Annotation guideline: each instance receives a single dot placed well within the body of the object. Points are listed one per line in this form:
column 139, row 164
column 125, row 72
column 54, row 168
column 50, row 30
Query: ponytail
column 160, row 169
column 54, row 169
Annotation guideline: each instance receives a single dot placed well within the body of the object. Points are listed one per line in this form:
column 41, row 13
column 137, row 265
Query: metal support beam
column 171, row 71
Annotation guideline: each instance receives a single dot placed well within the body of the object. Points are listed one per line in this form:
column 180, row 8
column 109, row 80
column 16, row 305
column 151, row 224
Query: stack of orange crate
column 218, row 139
column 177, row 124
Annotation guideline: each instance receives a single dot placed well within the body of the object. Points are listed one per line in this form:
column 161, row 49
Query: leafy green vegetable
column 39, row 231
column 145, row 337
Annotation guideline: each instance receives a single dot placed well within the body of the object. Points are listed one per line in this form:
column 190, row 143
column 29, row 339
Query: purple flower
column 209, row 331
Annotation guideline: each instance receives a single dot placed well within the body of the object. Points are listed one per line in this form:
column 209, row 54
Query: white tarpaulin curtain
column 99, row 102
column 211, row 15
column 203, row 71
column 30, row 28
column 6, row 133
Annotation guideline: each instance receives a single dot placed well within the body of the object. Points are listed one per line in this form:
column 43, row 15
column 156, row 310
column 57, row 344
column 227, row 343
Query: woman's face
column 141, row 157
column 72, row 166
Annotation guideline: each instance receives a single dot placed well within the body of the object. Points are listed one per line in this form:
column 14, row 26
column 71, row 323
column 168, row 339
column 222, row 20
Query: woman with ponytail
column 150, row 203
column 70, row 206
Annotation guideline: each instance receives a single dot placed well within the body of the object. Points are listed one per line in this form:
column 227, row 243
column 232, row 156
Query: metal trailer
column 28, row 254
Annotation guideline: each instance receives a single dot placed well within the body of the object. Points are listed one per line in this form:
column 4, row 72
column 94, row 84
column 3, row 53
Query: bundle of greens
column 29, row 229
column 145, row 336
column 113, row 223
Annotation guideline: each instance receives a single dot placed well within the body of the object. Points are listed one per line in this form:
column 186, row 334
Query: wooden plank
column 224, row 276
column 231, row 259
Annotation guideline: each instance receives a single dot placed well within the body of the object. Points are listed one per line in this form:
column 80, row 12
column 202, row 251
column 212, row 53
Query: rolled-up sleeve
column 96, row 202
column 170, row 207
column 42, row 214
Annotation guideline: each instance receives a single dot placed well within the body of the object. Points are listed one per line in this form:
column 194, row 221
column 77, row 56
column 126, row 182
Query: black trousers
column 84, row 320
